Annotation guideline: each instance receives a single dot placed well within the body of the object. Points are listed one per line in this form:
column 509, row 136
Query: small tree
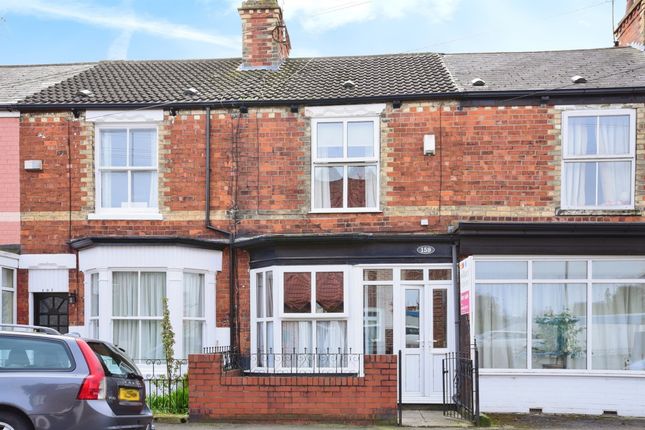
column 168, row 339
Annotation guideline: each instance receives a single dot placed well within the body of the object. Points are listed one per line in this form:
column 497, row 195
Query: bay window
column 555, row 314
column 598, row 159
column 302, row 322
column 194, row 316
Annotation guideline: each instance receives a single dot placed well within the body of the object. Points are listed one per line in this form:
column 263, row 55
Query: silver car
column 50, row 381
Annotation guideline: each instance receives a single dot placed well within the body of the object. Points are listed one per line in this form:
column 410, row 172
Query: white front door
column 423, row 309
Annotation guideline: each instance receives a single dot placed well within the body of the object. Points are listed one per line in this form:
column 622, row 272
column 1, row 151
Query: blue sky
column 62, row 31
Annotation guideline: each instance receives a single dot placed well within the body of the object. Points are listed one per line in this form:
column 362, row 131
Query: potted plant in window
column 559, row 333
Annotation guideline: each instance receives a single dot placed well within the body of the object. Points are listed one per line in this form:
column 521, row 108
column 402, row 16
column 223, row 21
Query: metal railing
column 165, row 393
column 461, row 385
column 316, row 362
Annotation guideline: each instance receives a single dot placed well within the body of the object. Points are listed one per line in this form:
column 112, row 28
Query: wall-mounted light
column 71, row 298
column 244, row 109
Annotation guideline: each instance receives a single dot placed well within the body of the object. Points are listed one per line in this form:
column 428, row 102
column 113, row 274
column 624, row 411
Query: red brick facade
column 631, row 28
column 9, row 182
column 227, row 396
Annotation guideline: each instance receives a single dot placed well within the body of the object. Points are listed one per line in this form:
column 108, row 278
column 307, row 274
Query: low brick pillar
column 215, row 395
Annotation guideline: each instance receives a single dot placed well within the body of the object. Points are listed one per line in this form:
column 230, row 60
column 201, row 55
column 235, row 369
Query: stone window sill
column 598, row 212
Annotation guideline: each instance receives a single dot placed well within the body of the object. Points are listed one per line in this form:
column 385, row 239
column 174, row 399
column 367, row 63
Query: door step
column 432, row 419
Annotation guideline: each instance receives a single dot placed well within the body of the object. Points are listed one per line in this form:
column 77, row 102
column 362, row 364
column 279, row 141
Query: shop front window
column 560, row 314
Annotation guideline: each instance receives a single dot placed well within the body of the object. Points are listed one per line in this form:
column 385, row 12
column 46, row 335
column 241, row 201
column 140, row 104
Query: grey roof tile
column 18, row 82
column 521, row 71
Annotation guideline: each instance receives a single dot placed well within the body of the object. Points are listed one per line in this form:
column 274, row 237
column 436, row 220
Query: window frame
column 345, row 162
column 12, row 289
column 185, row 318
column 134, row 213
column 280, row 317
column 567, row 159
column 590, row 281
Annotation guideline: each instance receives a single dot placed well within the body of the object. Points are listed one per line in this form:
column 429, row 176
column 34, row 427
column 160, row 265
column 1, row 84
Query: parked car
column 50, row 381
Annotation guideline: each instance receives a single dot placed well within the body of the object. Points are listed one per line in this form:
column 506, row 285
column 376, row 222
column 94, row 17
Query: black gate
column 51, row 310
column 461, row 385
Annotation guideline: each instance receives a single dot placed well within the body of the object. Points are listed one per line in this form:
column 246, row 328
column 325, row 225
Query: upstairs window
column 345, row 171
column 598, row 159
column 127, row 169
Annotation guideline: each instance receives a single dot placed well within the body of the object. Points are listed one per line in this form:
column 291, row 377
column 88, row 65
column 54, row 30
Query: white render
column 563, row 394
column 345, row 111
column 7, row 259
column 124, row 116
column 47, row 261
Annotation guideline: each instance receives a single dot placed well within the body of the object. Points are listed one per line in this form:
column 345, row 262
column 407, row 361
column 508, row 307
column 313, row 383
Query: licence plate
column 129, row 394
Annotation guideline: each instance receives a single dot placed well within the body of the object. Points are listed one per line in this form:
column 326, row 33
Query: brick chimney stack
column 265, row 40
column 631, row 29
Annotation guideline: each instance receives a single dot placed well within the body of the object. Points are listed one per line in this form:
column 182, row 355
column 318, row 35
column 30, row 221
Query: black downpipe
column 231, row 247
column 457, row 296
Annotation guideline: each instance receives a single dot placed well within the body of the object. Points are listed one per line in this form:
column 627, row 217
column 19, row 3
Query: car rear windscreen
column 114, row 363
column 30, row 353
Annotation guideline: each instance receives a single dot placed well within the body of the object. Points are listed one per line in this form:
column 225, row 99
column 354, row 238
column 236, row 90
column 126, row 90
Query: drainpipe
column 231, row 250
column 457, row 296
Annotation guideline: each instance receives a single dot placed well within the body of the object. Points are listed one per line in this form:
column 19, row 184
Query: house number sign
column 425, row 250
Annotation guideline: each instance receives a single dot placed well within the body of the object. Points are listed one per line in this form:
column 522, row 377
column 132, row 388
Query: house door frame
column 427, row 355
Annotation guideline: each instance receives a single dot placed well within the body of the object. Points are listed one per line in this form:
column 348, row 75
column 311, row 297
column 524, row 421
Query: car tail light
column 93, row 387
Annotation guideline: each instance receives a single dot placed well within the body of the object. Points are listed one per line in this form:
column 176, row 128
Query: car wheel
column 11, row 421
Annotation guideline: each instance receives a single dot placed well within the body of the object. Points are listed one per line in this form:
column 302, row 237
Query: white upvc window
column 194, row 320
column 94, row 306
column 598, row 159
column 127, row 169
column 8, row 296
column 560, row 314
column 345, row 164
column 137, row 310
column 301, row 319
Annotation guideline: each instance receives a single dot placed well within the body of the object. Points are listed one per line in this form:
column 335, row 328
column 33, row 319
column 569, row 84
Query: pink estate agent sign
column 465, row 302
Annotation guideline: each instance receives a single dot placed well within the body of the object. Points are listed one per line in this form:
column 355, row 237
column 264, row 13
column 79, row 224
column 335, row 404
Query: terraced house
column 327, row 213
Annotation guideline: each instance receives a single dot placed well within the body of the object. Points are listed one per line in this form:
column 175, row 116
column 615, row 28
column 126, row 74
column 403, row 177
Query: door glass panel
column 440, row 318
column 412, row 318
column 412, row 275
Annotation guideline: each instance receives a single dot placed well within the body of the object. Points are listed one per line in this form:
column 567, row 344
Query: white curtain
column 580, row 141
column 322, row 195
column 151, row 346
column 296, row 337
column 125, row 297
column 501, row 325
column 331, row 341
column 126, row 336
column 193, row 295
column 614, row 177
column 193, row 330
column 370, row 186
column 153, row 290
column 618, row 327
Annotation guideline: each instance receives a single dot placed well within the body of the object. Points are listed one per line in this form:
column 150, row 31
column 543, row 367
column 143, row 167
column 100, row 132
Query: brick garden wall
column 229, row 397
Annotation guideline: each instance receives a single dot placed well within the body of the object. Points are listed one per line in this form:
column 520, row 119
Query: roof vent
column 190, row 91
column 84, row 93
column 577, row 79
column 478, row 82
column 349, row 85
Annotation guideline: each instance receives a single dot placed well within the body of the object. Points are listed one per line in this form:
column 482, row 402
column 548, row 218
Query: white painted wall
column 563, row 394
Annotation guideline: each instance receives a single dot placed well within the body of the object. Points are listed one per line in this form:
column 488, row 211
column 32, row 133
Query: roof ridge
column 88, row 63
column 536, row 52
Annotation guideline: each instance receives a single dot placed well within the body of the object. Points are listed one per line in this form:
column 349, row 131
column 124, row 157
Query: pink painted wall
column 9, row 181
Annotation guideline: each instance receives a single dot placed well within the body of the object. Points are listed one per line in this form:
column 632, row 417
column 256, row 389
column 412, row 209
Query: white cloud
column 316, row 15
column 118, row 50
column 319, row 16
column 114, row 18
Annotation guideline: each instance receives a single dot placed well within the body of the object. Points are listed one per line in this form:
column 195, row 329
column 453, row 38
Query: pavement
column 433, row 419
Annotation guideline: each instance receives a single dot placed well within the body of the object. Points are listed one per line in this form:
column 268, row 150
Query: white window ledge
column 126, row 216
column 599, row 212
column 346, row 211
column 564, row 372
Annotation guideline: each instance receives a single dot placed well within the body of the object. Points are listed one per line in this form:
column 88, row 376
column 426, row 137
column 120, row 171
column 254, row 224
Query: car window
column 22, row 353
column 114, row 362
